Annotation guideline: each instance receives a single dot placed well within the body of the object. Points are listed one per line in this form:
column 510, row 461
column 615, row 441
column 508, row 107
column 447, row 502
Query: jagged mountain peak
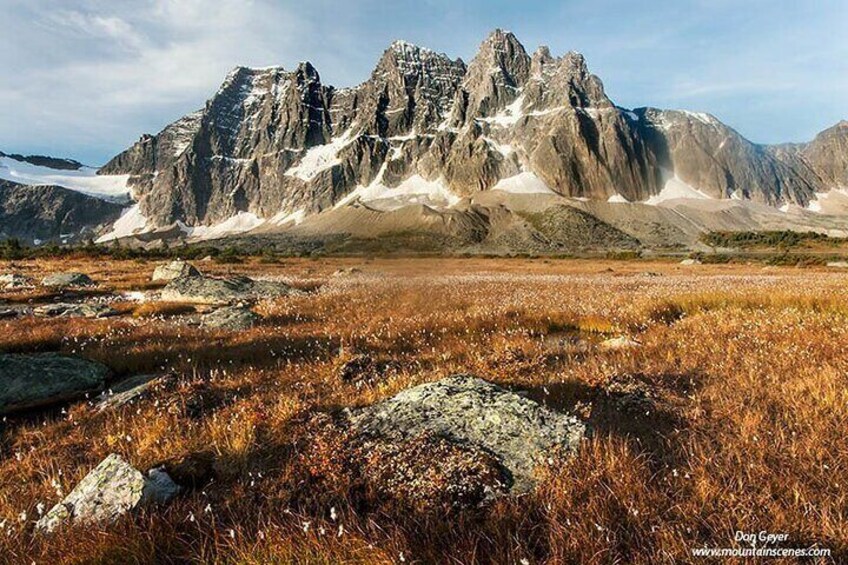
column 502, row 57
column 274, row 142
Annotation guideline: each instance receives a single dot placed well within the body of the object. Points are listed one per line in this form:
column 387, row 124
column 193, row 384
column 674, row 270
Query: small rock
column 42, row 379
column 838, row 264
column 234, row 318
column 621, row 342
column 174, row 270
column 65, row 310
column 67, row 279
column 109, row 491
column 516, row 431
column 13, row 281
column 690, row 262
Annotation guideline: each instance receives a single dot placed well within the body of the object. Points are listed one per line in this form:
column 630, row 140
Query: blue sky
column 85, row 78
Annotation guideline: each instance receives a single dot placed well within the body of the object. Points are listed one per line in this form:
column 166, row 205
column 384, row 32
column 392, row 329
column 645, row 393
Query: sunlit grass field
column 740, row 381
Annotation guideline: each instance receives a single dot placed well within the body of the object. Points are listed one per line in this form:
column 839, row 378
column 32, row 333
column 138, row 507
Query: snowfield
column 414, row 190
column 675, row 189
column 240, row 223
column 320, row 158
column 85, row 180
column 523, row 183
column 131, row 222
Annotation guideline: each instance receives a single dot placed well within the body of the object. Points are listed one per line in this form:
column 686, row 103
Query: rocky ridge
column 280, row 145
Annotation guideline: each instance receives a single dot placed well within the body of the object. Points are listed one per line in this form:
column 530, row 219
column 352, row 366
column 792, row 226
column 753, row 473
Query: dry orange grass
column 745, row 370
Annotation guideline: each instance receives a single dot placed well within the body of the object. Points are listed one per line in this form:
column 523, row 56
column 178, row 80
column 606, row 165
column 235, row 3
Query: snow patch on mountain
column 288, row 217
column 523, row 183
column 508, row 116
column 414, row 190
column 675, row 189
column 240, row 223
column 321, row 157
column 85, row 180
column 131, row 222
column 618, row 199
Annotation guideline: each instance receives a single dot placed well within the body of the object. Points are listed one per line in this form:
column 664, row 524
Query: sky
column 85, row 78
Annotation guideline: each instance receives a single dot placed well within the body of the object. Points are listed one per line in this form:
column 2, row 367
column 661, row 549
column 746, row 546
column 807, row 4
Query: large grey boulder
column 473, row 412
column 233, row 318
column 66, row 310
column 208, row 290
column 174, row 270
column 67, row 279
column 109, row 491
column 42, row 379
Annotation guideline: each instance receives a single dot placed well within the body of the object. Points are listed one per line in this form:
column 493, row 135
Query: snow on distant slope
column 414, row 190
column 240, row 223
column 85, row 180
column 675, row 189
column 320, row 157
column 618, row 199
column 523, row 183
column 131, row 222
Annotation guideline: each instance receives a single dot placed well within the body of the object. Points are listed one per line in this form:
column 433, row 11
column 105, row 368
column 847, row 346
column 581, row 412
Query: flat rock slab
column 234, row 318
column 174, row 270
column 109, row 491
column 67, row 279
column 208, row 290
column 43, row 379
column 470, row 411
column 129, row 390
column 66, row 310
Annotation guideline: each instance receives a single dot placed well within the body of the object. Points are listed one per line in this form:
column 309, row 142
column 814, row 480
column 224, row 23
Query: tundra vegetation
column 724, row 408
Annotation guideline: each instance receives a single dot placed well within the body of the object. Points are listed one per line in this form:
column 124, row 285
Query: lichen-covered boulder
column 109, row 491
column 516, row 431
column 43, row 379
column 67, row 279
column 174, row 270
column 209, row 290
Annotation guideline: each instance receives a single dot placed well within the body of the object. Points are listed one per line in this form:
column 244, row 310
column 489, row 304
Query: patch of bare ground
column 728, row 415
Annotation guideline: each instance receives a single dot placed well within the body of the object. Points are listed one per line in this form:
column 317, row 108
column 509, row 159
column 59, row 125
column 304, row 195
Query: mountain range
column 509, row 152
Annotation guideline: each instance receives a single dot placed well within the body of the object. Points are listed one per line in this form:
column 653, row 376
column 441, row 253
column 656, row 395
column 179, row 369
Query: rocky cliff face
column 51, row 213
column 279, row 144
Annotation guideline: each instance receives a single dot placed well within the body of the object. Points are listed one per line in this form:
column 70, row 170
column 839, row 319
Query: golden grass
column 746, row 370
column 162, row 309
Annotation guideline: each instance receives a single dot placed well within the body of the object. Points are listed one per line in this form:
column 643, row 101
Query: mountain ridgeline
column 274, row 142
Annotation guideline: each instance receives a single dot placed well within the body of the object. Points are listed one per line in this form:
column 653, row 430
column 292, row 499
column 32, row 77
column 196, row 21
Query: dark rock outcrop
column 38, row 380
column 50, row 213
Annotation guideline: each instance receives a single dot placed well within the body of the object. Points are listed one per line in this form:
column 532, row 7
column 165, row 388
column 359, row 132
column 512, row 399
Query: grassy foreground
column 740, row 424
